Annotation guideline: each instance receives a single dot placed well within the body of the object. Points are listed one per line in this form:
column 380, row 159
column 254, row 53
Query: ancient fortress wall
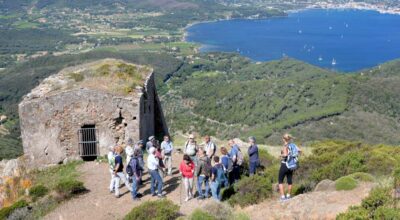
column 50, row 123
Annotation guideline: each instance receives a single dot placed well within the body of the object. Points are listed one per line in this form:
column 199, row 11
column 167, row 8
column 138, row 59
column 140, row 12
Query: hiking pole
column 180, row 192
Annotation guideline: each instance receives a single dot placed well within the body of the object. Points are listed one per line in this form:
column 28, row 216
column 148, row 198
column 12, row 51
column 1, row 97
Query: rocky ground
column 99, row 204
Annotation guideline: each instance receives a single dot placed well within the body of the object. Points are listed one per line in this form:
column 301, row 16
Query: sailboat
column 333, row 62
column 320, row 58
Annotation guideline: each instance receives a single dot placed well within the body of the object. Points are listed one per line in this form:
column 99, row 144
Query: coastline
column 326, row 6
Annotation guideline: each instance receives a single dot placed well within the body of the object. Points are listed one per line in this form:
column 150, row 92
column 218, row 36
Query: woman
column 186, row 168
column 119, row 171
column 284, row 171
column 160, row 158
column 227, row 162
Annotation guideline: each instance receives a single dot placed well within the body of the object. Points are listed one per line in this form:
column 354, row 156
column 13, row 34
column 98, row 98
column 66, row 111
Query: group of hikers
column 200, row 166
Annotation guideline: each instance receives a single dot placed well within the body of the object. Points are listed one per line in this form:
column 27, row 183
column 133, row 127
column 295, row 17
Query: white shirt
column 152, row 162
column 129, row 153
column 210, row 147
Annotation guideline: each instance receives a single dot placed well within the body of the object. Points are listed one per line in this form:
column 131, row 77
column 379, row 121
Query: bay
column 342, row 40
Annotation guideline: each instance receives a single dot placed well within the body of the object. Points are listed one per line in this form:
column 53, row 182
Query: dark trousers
column 253, row 168
column 234, row 175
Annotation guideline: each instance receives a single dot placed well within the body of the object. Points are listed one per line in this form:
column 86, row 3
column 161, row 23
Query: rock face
column 54, row 121
column 325, row 185
column 314, row 205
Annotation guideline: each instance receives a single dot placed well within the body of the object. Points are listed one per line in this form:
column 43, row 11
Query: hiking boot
column 153, row 194
column 160, row 196
column 187, row 199
column 117, row 196
column 283, row 199
column 136, row 199
column 200, row 198
column 288, row 197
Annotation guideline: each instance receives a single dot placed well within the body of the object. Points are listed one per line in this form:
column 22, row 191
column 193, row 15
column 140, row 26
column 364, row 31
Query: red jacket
column 186, row 169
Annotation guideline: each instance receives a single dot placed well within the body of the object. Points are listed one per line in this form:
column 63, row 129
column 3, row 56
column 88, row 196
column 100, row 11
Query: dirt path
column 99, row 204
column 315, row 205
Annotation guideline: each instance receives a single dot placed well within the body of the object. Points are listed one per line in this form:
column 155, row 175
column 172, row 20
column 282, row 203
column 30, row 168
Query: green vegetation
column 217, row 211
column 38, row 191
column 378, row 205
column 346, row 183
column 199, row 214
column 62, row 173
column 69, row 188
column 5, row 212
column 362, row 177
column 160, row 210
column 251, row 190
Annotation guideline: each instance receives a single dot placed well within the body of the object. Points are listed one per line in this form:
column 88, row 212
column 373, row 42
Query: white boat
column 320, row 58
column 333, row 62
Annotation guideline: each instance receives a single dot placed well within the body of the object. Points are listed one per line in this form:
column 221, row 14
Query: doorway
column 88, row 142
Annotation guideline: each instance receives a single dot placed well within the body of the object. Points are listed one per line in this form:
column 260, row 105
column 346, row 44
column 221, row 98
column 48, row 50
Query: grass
column 346, row 183
column 52, row 176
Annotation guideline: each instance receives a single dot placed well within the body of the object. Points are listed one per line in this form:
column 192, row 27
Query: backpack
column 221, row 177
column 207, row 167
column 133, row 167
column 230, row 165
column 239, row 157
column 292, row 162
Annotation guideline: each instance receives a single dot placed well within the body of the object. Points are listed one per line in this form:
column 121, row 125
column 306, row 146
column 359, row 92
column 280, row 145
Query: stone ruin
column 82, row 110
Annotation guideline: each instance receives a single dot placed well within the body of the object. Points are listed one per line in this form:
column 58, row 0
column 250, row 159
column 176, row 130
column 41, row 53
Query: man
column 234, row 155
column 129, row 150
column 153, row 166
column 150, row 143
column 111, row 165
column 118, row 172
column 210, row 147
column 139, row 147
column 253, row 155
column 218, row 179
column 191, row 149
column 134, row 172
column 167, row 148
column 203, row 171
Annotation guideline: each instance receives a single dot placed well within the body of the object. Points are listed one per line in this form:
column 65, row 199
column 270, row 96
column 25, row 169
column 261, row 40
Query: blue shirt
column 167, row 147
column 234, row 151
column 253, row 153
column 225, row 161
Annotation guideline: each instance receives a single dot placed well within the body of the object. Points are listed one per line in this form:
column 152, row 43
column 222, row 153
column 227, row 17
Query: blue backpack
column 221, row 177
column 292, row 162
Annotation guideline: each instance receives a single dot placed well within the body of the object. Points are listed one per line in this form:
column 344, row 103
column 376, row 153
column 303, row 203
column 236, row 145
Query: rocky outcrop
column 322, row 204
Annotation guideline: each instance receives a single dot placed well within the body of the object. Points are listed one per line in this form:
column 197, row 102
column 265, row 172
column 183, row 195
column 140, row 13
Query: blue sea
column 343, row 40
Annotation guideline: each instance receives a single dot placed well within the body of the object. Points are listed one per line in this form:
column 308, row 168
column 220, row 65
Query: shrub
column 77, row 77
column 346, row 183
column 38, row 191
column 219, row 210
column 354, row 213
column 68, row 188
column 396, row 177
column 227, row 193
column 7, row 211
column 251, row 190
column 387, row 213
column 377, row 197
column 362, row 177
column 199, row 214
column 241, row 216
column 159, row 210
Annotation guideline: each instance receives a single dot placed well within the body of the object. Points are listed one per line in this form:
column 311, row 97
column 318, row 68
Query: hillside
column 225, row 94
column 228, row 95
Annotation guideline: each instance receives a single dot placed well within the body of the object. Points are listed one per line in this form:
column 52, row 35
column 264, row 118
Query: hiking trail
column 100, row 204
